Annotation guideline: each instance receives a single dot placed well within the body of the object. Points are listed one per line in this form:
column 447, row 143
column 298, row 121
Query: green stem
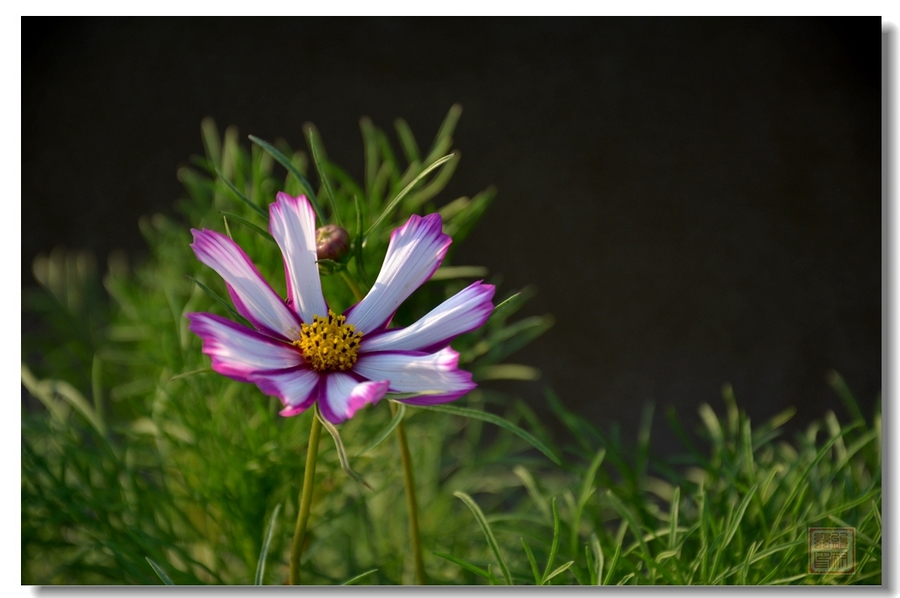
column 305, row 500
column 353, row 286
column 410, row 484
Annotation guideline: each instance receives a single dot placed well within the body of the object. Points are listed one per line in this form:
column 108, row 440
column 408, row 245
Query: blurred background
column 697, row 201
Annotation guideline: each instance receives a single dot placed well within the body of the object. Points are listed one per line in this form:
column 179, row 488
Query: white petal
column 293, row 224
column 238, row 351
column 434, row 374
column 344, row 395
column 464, row 311
column 295, row 387
column 253, row 297
column 415, row 251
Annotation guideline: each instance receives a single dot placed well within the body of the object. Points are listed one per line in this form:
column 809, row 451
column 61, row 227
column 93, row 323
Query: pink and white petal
column 463, row 312
column 342, row 395
column 436, row 375
column 255, row 299
column 415, row 251
column 237, row 351
column 296, row 387
column 292, row 222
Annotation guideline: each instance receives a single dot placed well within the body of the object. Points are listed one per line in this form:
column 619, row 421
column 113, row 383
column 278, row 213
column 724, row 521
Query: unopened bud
column 332, row 242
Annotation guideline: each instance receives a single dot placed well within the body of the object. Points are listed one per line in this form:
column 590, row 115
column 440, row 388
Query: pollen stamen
column 329, row 343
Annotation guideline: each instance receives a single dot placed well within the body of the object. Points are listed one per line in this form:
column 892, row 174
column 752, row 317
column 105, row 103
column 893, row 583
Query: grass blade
column 558, row 570
column 598, row 555
column 554, row 546
column 285, row 161
column 488, row 534
column 464, row 564
column 241, row 196
column 584, row 494
column 498, row 421
column 232, row 311
column 399, row 197
column 264, row 552
column 315, row 142
column 191, row 373
column 256, row 228
column 407, row 141
column 528, row 481
column 356, row 578
column 401, row 411
column 358, row 240
column 534, row 566
column 339, row 445
column 612, row 565
column 159, row 571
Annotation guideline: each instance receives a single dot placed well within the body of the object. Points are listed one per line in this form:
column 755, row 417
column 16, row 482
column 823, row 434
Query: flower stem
column 353, row 286
column 305, row 500
column 410, row 484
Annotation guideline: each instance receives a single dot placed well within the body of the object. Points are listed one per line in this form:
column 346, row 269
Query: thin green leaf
column 554, row 545
column 738, row 516
column 528, row 481
column 227, row 228
column 497, row 421
column 356, row 578
column 264, row 552
column 407, row 141
column 211, row 143
column 464, row 564
column 370, row 150
column 673, row 516
column 443, row 139
column 339, row 445
column 191, row 373
column 598, row 555
column 559, row 570
column 627, row 515
column 435, row 186
column 587, row 488
column 506, row 371
column 486, row 529
column 612, row 565
column 836, row 381
column 285, row 161
column 534, row 566
column 159, row 571
column 249, row 224
column 47, row 390
column 451, row 272
column 358, row 240
column 241, row 196
column 315, row 142
column 399, row 197
column 401, row 411
column 218, row 299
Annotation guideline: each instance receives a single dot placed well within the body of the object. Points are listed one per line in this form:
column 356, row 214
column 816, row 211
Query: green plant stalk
column 357, row 292
column 409, row 482
column 305, row 500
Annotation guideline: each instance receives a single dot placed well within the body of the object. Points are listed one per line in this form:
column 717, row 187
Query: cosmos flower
column 302, row 352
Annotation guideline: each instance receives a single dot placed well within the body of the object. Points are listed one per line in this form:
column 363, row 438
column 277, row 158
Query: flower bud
column 332, row 242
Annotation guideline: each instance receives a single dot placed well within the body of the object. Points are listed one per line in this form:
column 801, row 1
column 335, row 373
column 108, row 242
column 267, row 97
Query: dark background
column 697, row 200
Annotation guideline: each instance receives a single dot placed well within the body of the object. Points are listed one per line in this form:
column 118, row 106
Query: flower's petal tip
column 290, row 411
column 366, row 393
column 449, row 358
column 282, row 198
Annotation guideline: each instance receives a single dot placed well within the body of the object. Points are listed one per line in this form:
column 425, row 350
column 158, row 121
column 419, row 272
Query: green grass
column 141, row 466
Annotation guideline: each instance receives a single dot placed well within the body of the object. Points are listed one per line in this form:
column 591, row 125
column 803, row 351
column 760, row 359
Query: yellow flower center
column 329, row 344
